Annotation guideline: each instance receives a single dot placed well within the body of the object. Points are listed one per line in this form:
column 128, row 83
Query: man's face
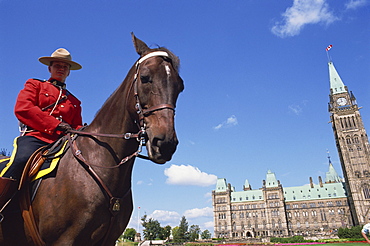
column 59, row 70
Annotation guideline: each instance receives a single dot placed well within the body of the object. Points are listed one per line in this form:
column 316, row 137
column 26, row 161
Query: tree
column 152, row 229
column 182, row 234
column 205, row 234
column 176, row 234
column 194, row 232
column 354, row 232
column 4, row 152
column 129, row 234
column 184, row 228
column 166, row 232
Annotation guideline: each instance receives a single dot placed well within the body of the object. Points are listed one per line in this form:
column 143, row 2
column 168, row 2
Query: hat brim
column 47, row 59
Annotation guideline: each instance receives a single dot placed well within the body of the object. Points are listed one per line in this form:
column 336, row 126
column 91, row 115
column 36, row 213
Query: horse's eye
column 144, row 78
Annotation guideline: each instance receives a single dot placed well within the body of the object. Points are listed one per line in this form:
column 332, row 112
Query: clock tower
column 353, row 147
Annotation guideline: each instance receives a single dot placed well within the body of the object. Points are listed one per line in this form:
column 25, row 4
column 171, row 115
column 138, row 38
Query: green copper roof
column 333, row 188
column 336, row 83
column 306, row 192
column 246, row 183
column 332, row 175
column 271, row 180
column 248, row 195
column 221, row 185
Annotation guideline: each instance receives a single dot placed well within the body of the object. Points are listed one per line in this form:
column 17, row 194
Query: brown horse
column 88, row 200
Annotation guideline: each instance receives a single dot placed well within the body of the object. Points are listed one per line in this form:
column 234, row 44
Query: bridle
column 140, row 136
column 139, row 110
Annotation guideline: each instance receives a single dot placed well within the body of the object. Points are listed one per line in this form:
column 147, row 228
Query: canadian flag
column 329, row 47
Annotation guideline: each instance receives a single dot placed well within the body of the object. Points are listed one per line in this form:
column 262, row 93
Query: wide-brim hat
column 62, row 55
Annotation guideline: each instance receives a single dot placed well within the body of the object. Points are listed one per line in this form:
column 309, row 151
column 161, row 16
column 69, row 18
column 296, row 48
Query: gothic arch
column 366, row 191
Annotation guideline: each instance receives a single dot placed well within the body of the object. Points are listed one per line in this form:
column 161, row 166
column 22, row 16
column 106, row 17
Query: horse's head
column 157, row 87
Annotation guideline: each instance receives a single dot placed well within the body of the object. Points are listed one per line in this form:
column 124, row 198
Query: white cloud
column 231, row 121
column 296, row 109
column 142, row 182
column 209, row 225
column 165, row 217
column 303, row 12
column 208, row 194
column 354, row 4
column 188, row 175
column 198, row 212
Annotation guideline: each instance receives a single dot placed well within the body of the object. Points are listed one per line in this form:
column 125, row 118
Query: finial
column 327, row 151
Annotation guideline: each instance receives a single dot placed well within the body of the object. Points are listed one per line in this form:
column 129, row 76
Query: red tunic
column 38, row 94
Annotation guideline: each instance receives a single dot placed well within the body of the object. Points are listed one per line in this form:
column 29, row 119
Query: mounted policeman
column 46, row 110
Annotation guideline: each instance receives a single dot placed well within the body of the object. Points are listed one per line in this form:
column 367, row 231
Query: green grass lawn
column 336, row 244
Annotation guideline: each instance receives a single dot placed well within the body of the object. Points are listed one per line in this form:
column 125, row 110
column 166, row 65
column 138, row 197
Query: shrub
column 294, row 239
column 354, row 232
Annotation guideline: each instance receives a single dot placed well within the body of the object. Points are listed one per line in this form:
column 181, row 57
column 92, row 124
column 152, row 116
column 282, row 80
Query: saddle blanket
column 51, row 162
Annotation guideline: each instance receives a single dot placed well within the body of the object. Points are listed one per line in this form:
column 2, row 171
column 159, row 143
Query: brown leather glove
column 64, row 127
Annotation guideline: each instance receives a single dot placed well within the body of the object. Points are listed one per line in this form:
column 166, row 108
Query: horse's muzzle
column 161, row 148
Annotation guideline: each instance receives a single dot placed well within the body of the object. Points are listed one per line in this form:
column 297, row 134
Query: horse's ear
column 140, row 46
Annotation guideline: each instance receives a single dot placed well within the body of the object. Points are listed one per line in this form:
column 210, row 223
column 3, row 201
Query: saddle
column 44, row 160
column 30, row 172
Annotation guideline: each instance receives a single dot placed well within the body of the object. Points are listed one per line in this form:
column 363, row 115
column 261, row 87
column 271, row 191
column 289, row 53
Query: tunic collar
column 57, row 83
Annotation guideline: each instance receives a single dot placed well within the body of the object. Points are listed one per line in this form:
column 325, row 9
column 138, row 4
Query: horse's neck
column 116, row 116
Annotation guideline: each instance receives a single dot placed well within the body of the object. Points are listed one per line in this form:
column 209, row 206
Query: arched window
column 348, row 140
column 355, row 139
column 366, row 192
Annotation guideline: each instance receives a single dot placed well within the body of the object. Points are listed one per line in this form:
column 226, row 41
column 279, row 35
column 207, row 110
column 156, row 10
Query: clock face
column 341, row 101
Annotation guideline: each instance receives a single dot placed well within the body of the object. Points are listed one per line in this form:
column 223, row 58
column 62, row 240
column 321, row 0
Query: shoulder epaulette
column 41, row 80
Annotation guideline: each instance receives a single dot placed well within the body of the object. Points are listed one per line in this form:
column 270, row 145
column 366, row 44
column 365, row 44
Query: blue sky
column 256, row 84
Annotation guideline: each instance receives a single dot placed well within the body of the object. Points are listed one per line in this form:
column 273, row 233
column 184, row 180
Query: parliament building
column 308, row 210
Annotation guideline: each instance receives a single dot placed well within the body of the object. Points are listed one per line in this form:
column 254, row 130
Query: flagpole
column 327, row 52
column 138, row 220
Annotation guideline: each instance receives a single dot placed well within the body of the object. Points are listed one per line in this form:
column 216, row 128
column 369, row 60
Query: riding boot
column 8, row 187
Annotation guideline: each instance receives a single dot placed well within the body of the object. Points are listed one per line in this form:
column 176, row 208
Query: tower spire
column 332, row 175
column 336, row 84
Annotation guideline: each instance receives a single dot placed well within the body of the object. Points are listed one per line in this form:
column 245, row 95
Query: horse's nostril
column 165, row 147
column 158, row 140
